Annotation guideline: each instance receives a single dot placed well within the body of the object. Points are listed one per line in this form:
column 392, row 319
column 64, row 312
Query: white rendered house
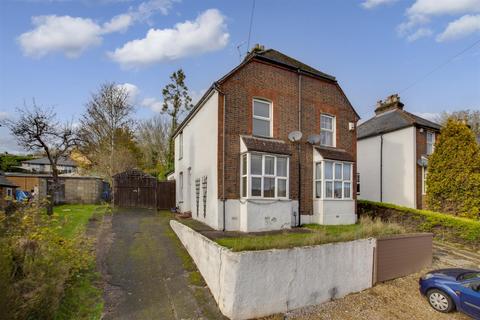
column 392, row 154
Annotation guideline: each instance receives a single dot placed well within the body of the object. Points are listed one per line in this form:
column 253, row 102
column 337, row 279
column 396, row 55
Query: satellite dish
column 295, row 136
column 314, row 139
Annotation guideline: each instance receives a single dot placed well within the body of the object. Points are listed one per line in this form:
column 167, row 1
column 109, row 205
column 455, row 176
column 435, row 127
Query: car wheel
column 440, row 301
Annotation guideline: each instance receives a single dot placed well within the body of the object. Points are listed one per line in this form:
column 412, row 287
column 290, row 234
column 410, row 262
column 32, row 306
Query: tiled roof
column 61, row 161
column 278, row 57
column 390, row 121
column 335, row 154
column 266, row 145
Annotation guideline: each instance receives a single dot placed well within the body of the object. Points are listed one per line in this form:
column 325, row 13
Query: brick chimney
column 258, row 47
column 392, row 102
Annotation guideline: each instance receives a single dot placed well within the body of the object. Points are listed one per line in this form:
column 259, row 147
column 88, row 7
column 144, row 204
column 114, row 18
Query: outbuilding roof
column 4, row 182
column 63, row 161
column 392, row 120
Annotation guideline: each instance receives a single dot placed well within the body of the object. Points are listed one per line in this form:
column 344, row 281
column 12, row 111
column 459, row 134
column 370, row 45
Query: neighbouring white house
column 42, row 165
column 236, row 168
column 392, row 155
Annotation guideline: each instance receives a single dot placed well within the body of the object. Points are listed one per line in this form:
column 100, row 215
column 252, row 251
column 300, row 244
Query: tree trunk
column 52, row 190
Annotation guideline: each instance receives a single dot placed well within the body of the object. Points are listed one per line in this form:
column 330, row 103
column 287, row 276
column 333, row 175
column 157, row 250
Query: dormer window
column 327, row 130
column 262, row 118
column 430, row 142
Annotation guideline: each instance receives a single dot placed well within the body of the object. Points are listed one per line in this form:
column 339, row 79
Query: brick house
column 236, row 168
column 393, row 149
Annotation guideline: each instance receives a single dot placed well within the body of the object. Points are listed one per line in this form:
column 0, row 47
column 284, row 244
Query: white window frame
column 180, row 186
column 269, row 119
column 180, row 145
column 333, row 130
column 424, row 180
column 430, row 145
column 262, row 176
column 334, row 179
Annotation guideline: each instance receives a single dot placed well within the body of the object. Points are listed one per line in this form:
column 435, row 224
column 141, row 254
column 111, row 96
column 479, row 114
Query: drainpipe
column 299, row 149
column 381, row 168
column 223, row 162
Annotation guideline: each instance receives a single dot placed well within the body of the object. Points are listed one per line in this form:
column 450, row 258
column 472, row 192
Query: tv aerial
column 295, row 136
column 314, row 139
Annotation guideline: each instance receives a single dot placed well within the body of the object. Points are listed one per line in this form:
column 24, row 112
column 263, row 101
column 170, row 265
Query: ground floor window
column 264, row 176
column 333, row 180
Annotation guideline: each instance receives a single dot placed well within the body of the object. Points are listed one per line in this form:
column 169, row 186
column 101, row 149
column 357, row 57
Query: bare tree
column 105, row 131
column 176, row 102
column 469, row 117
column 153, row 137
column 37, row 129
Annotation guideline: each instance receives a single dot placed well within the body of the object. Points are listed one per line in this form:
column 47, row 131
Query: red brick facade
column 421, row 150
column 257, row 79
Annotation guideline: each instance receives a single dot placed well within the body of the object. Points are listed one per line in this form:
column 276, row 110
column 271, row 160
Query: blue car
column 453, row 289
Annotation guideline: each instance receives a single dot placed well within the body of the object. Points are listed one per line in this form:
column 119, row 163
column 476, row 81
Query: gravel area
column 395, row 299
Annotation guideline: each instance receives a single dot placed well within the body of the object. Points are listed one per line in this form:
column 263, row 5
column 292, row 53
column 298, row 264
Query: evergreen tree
column 453, row 181
column 176, row 101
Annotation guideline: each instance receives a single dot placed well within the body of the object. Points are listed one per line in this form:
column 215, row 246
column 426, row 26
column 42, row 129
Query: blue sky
column 60, row 51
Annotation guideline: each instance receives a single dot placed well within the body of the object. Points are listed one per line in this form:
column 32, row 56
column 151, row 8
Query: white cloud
column 420, row 33
column 73, row 35
column 152, row 103
column 421, row 12
column 460, row 28
column 3, row 115
column 206, row 33
column 67, row 34
column 118, row 23
column 132, row 91
column 370, row 4
column 432, row 116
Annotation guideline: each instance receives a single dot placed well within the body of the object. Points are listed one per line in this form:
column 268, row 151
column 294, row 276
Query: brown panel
column 165, row 194
column 402, row 255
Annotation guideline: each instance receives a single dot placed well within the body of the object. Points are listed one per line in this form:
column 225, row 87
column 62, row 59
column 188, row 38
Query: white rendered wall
column 263, row 215
column 200, row 143
column 254, row 284
column 399, row 148
column 368, row 165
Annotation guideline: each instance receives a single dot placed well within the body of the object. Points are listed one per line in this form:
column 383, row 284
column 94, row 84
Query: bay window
column 262, row 118
column 333, row 180
column 264, row 176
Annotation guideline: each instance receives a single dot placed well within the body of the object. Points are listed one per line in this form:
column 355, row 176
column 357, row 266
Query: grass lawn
column 313, row 235
column 82, row 298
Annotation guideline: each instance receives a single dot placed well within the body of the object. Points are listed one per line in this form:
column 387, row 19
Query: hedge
column 444, row 226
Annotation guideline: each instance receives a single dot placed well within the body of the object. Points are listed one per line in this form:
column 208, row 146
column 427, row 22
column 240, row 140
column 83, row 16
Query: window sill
column 266, row 199
column 332, row 199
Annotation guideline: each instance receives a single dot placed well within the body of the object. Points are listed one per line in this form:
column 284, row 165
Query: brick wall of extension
column 262, row 80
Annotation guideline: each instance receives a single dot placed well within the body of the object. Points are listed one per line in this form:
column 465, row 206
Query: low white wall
column 253, row 284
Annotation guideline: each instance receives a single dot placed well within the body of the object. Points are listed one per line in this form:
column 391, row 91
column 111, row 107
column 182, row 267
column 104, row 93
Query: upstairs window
column 264, row 176
column 333, row 180
column 327, row 130
column 430, row 142
column 180, row 146
column 262, row 118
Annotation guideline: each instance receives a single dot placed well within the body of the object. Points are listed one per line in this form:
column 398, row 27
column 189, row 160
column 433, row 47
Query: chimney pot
column 391, row 102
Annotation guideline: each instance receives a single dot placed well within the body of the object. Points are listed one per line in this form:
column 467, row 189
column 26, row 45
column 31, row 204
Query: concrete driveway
column 143, row 271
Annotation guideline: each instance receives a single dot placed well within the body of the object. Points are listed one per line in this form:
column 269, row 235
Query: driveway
column 143, row 270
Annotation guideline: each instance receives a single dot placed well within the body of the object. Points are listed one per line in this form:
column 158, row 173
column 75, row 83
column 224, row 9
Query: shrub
column 36, row 264
column 444, row 226
column 453, row 183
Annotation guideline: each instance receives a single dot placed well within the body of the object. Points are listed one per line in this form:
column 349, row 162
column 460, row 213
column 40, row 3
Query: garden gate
column 135, row 189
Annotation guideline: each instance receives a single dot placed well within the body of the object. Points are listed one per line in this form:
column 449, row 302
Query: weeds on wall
column 37, row 265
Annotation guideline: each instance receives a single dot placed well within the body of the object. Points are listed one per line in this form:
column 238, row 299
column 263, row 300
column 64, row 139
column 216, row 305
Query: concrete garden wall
column 252, row 284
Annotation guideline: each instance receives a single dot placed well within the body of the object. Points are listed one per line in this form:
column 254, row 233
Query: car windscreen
column 468, row 276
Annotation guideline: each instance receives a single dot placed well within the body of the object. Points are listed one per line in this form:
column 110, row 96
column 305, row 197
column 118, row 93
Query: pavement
column 145, row 277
